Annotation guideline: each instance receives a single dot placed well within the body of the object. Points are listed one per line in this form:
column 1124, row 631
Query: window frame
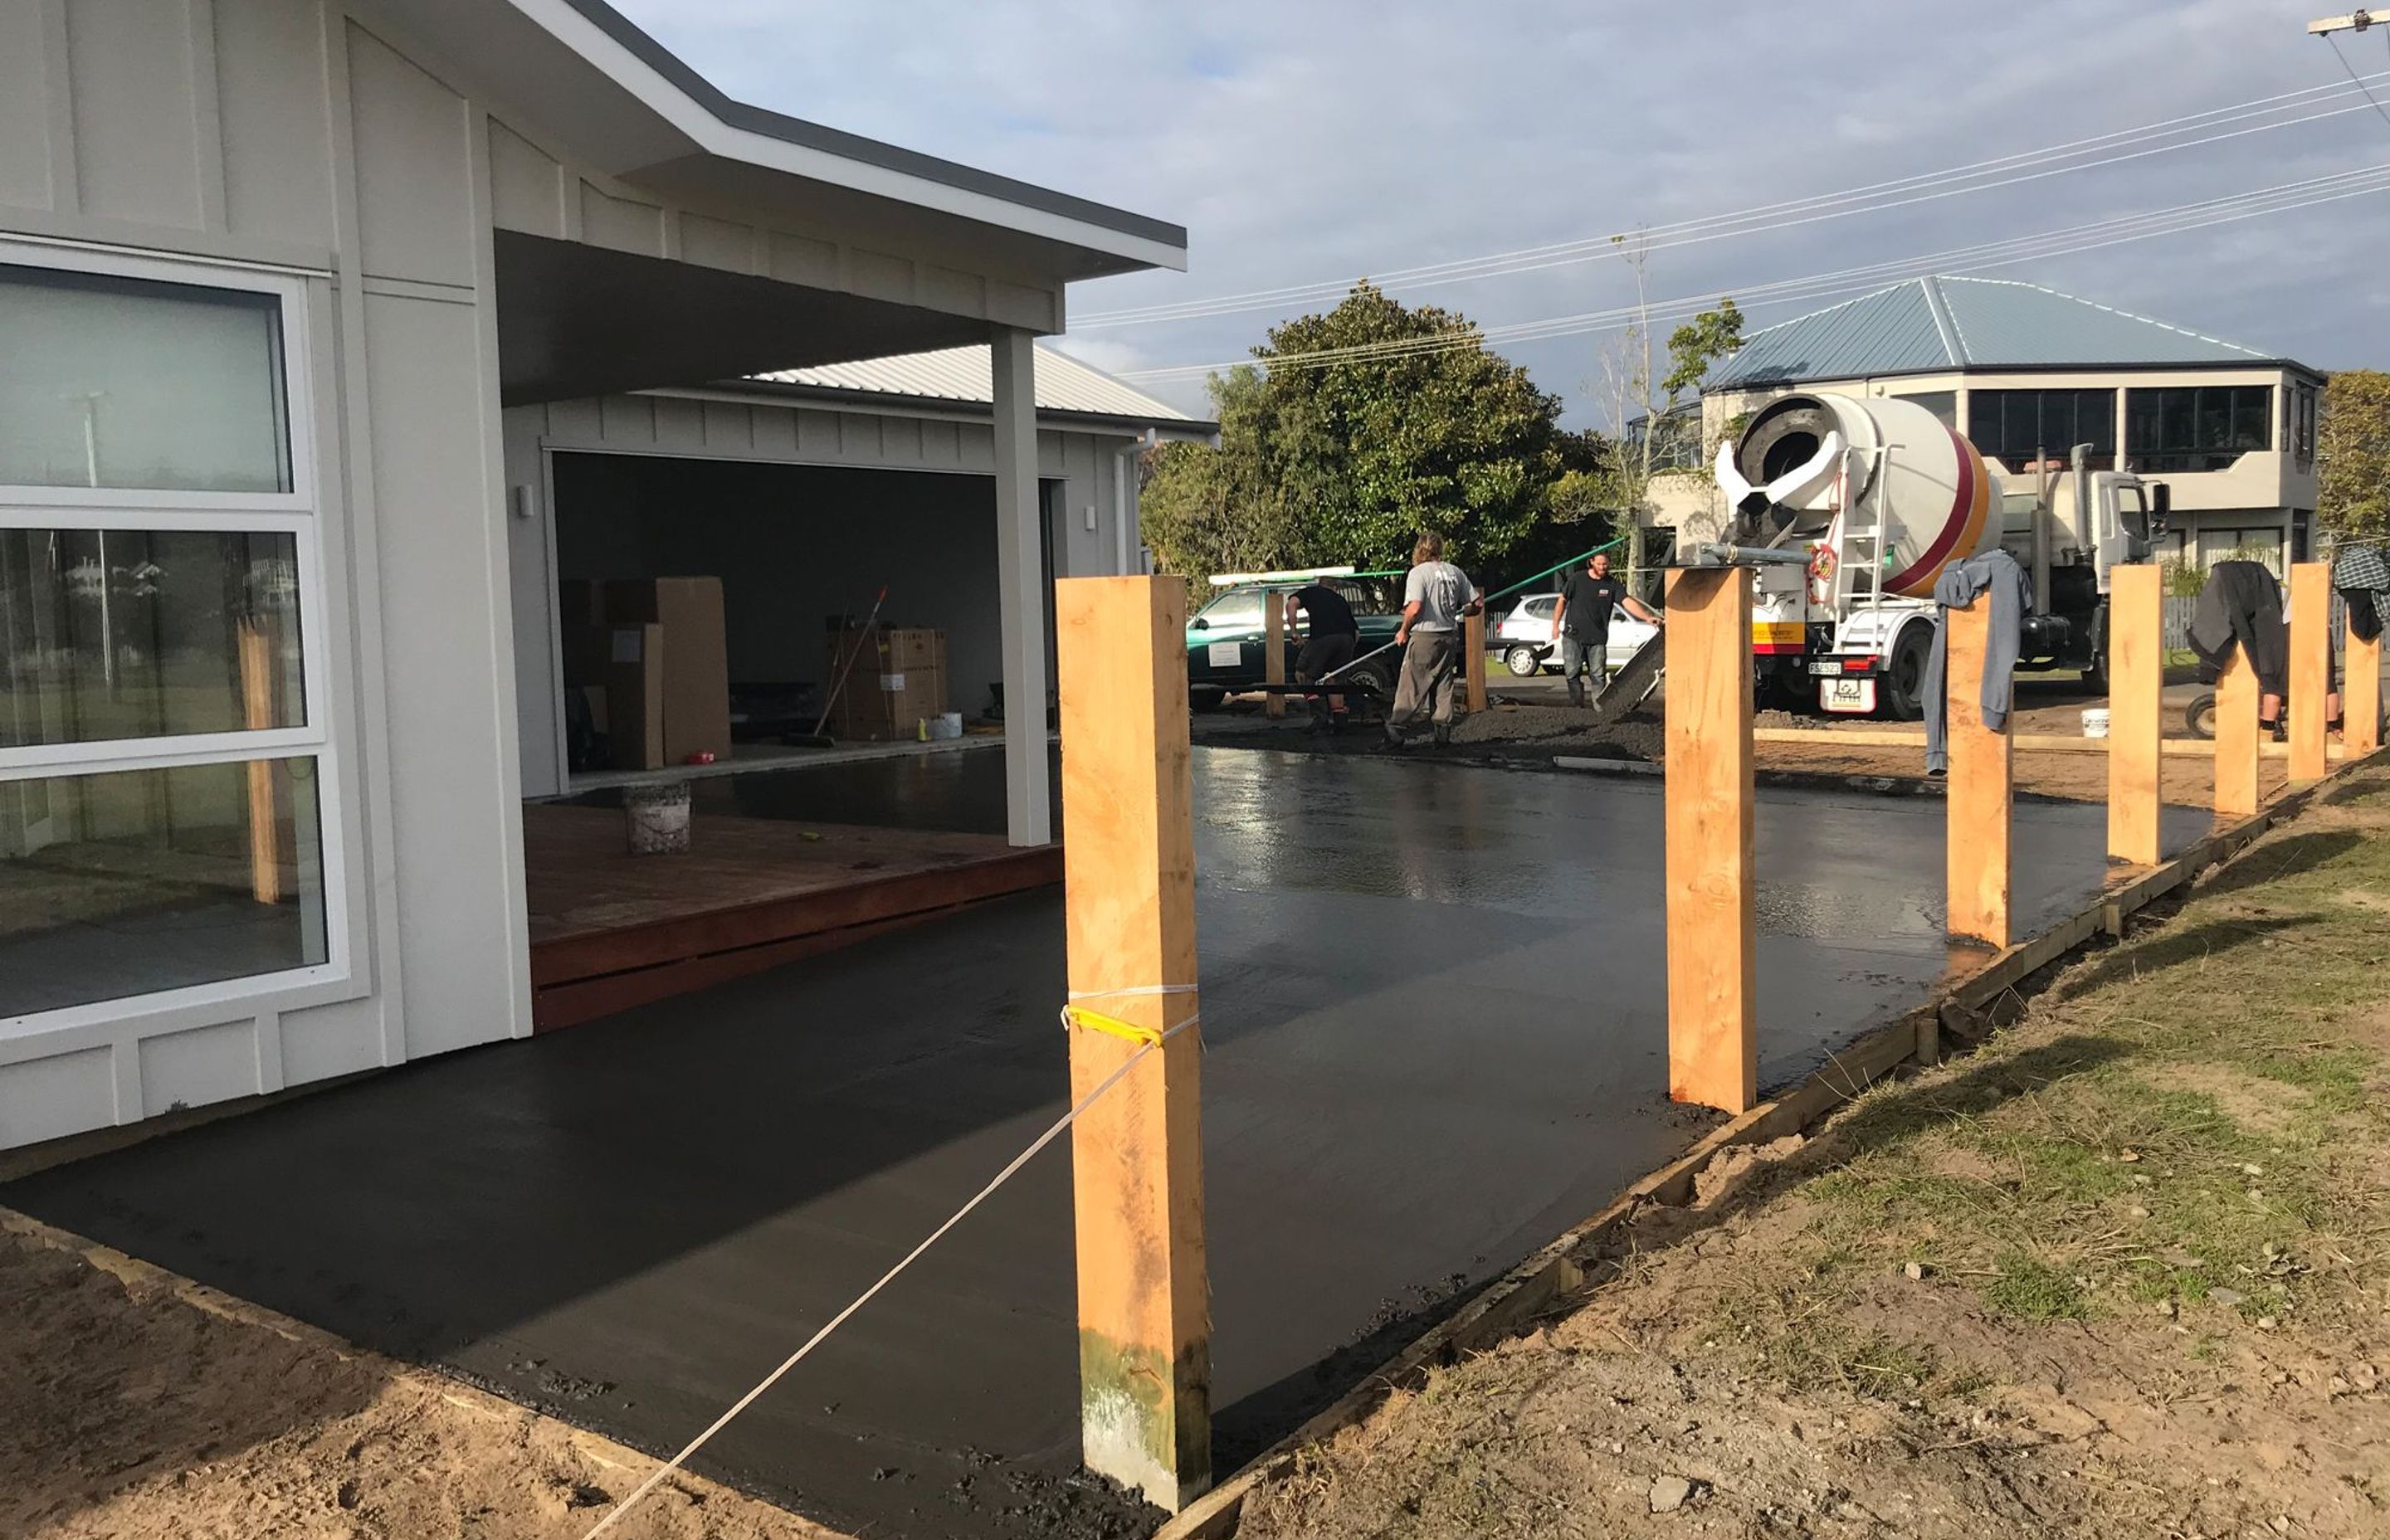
column 297, row 513
column 2169, row 458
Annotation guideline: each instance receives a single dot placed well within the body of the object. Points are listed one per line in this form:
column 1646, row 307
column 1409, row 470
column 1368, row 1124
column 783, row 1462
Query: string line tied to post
column 1090, row 1020
column 1147, row 1040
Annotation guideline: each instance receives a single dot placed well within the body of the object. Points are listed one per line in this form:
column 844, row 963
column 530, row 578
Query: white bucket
column 2095, row 722
column 948, row 725
column 658, row 818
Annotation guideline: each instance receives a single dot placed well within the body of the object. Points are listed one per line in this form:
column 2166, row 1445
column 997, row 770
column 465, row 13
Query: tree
column 2353, row 455
column 1643, row 410
column 1328, row 454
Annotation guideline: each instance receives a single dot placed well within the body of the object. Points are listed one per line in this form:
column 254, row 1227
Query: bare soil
column 136, row 1406
column 2124, row 1272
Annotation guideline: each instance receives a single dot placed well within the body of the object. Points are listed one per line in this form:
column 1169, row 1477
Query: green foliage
column 1699, row 343
column 2353, row 454
column 1350, row 460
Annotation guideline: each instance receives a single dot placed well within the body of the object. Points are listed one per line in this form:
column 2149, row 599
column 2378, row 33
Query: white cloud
column 1309, row 141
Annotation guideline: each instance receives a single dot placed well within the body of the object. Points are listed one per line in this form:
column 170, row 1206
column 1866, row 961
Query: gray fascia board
column 854, row 147
column 780, row 392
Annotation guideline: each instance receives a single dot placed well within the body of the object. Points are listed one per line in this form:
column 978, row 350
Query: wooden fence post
column 2236, row 737
column 255, row 650
column 1713, row 1032
column 2136, row 685
column 1981, row 777
column 2361, row 695
column 1273, row 651
column 2310, row 666
column 1473, row 642
column 1128, row 873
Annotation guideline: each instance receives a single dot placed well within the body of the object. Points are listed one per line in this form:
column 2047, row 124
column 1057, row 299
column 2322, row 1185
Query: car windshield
column 1238, row 607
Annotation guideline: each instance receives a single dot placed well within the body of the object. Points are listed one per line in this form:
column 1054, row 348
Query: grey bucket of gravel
column 658, row 818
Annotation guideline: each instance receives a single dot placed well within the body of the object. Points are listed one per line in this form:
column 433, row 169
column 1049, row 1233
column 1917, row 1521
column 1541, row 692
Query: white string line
column 2222, row 114
column 1990, row 255
column 1053, row 1132
column 1925, row 187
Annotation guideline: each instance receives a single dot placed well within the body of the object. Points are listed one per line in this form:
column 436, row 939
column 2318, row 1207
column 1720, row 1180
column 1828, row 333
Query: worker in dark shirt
column 1330, row 644
column 1582, row 623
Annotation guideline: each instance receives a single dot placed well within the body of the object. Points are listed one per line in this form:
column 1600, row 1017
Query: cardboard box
column 624, row 665
column 697, row 673
column 894, row 685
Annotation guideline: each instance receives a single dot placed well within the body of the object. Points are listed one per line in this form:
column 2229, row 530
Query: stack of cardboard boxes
column 897, row 682
column 650, row 654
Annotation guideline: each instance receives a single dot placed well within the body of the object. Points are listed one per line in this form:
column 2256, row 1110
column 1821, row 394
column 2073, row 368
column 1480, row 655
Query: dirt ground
column 134, row 1405
column 2123, row 1272
column 1529, row 723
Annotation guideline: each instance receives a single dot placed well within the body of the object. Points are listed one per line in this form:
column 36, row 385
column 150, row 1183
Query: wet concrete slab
column 1436, row 1038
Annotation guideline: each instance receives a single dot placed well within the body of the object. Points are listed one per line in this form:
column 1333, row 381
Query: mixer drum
column 1931, row 492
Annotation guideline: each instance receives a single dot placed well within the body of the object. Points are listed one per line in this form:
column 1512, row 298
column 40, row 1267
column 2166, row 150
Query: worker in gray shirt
column 1435, row 596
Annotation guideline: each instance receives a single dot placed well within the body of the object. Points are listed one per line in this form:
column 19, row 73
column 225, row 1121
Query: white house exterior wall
column 721, row 425
column 311, row 139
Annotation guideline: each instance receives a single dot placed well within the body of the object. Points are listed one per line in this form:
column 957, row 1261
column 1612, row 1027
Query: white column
column 1020, row 577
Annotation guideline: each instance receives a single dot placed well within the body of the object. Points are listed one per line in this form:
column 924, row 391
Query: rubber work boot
column 1577, row 690
column 1443, row 736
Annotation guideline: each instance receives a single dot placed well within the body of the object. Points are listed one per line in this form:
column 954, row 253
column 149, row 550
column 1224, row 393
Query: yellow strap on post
column 1096, row 1021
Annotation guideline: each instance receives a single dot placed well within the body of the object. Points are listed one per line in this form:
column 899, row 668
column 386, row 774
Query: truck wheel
column 1523, row 661
column 1904, row 679
column 1379, row 677
column 2199, row 716
column 1206, row 697
column 2095, row 674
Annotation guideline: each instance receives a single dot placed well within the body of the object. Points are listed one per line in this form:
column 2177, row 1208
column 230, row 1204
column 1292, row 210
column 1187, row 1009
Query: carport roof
column 965, row 375
column 620, row 97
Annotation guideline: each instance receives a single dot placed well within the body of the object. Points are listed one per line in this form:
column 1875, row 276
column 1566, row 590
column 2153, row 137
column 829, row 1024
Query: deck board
column 609, row 930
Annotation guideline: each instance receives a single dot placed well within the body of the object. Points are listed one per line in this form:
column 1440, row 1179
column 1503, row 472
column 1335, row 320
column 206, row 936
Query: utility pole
column 2355, row 21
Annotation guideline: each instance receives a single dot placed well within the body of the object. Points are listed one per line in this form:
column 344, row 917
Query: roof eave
column 781, row 391
column 746, row 135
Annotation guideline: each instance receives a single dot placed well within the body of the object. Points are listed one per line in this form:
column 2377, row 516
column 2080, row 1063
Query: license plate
column 1826, row 668
column 1847, row 695
column 1226, row 654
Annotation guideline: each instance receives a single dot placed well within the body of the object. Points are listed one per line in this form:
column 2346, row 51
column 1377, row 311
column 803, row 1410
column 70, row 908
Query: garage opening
column 706, row 610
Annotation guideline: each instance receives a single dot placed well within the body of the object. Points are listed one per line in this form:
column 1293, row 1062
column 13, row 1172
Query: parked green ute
column 1225, row 644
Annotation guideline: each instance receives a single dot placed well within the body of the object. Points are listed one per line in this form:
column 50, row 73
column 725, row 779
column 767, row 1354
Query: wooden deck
column 610, row 930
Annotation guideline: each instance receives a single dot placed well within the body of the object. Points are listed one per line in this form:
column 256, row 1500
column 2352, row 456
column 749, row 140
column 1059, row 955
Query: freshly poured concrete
column 1433, row 1003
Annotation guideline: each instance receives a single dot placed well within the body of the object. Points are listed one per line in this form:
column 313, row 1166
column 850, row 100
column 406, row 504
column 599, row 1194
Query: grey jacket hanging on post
column 2242, row 606
column 1995, row 572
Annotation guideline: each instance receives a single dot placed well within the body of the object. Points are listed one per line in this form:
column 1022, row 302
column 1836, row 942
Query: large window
column 2303, row 426
column 2181, row 428
column 2016, row 427
column 162, row 726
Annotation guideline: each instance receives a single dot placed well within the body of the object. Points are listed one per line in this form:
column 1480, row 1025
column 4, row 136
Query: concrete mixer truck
column 1881, row 495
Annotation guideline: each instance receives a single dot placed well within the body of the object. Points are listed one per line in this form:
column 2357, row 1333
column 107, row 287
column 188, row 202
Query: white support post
column 1021, row 578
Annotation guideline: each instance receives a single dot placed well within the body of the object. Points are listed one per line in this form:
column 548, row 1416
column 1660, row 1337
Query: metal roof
column 966, row 375
column 1929, row 324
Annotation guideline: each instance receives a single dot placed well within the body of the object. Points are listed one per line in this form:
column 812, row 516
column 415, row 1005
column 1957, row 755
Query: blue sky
column 1311, row 140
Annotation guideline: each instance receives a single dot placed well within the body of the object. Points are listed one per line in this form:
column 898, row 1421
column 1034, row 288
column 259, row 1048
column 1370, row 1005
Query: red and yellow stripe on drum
column 1971, row 503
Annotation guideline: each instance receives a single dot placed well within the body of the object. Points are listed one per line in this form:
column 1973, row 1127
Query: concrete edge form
column 1518, row 1297
column 143, row 1276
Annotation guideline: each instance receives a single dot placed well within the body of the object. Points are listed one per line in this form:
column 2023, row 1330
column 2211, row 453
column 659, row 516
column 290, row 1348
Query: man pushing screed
column 1435, row 596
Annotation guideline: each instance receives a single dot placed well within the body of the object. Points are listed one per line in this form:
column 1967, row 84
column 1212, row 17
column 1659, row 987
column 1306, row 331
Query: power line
column 2180, row 219
column 2337, row 54
column 1874, row 198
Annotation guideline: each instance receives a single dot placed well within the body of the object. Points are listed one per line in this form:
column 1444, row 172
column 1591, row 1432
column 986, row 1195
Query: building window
column 2187, row 428
column 1944, row 404
column 2261, row 543
column 2302, row 427
column 2015, row 428
column 162, row 736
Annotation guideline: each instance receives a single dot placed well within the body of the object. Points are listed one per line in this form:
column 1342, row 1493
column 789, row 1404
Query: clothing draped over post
column 1995, row 573
column 2242, row 606
column 2361, row 575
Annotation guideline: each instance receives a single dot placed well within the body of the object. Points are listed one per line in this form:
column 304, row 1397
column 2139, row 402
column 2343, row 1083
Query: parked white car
column 1527, row 648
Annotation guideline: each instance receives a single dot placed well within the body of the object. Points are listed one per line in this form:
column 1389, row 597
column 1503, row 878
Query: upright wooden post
column 1979, row 795
column 1273, row 651
column 2236, row 737
column 1128, row 872
column 257, row 708
column 2361, row 695
column 1712, row 1028
column 2310, row 666
column 1473, row 645
column 2135, row 682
